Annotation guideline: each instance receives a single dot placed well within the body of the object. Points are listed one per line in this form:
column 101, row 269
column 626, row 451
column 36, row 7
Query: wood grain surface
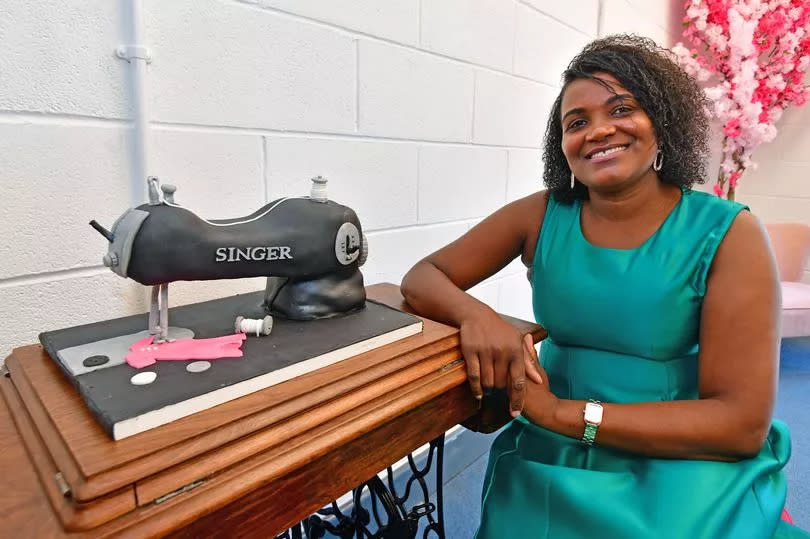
column 94, row 465
column 73, row 516
column 300, row 443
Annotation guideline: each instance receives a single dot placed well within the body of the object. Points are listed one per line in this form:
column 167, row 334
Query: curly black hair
column 672, row 99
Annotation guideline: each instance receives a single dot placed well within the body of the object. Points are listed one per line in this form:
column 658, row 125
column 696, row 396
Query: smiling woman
column 650, row 414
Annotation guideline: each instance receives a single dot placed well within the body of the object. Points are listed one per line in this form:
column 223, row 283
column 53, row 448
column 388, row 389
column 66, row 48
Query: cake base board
column 294, row 348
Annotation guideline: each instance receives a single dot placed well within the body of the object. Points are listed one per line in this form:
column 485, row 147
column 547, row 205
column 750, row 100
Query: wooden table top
column 301, row 443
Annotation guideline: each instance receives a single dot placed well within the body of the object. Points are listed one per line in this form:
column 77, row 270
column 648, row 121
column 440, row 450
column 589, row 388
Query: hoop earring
column 573, row 179
column 659, row 160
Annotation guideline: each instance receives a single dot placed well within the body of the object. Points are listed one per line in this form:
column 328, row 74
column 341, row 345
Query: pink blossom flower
column 732, row 180
column 732, row 128
column 752, row 55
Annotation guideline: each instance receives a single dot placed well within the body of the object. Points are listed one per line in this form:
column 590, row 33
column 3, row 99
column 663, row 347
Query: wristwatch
column 593, row 418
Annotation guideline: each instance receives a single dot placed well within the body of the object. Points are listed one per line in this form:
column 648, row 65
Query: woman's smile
column 606, row 153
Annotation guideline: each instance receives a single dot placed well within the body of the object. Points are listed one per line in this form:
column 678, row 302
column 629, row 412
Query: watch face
column 593, row 413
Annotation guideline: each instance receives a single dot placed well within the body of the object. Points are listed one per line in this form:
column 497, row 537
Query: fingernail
column 515, row 413
column 478, row 397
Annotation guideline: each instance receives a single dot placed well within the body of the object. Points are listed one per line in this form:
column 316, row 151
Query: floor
column 793, row 407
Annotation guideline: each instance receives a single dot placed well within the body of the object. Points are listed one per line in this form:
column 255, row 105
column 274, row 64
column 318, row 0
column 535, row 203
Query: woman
column 651, row 414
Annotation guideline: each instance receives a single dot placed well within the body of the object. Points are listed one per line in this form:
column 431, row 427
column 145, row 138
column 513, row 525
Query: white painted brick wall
column 486, row 292
column 56, row 178
column 57, row 57
column 580, row 14
column 87, row 296
column 481, row 31
column 626, row 16
column 777, row 179
column 460, row 182
column 543, row 46
column 393, row 252
column 515, row 297
column 667, row 15
column 425, row 115
column 404, row 93
column 509, row 111
column 376, row 179
column 217, row 175
column 525, row 173
column 230, row 64
column 386, row 19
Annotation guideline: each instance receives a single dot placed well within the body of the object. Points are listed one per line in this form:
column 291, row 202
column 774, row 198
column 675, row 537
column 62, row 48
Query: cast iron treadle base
column 378, row 511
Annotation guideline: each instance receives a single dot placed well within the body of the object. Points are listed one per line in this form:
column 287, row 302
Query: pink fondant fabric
column 145, row 352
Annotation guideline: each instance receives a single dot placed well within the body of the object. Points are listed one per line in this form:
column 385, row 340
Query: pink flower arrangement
column 752, row 56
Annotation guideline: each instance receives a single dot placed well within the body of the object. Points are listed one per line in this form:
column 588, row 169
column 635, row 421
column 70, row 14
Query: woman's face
column 607, row 138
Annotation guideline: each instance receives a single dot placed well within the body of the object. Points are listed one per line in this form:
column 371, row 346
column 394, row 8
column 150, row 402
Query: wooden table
column 249, row 467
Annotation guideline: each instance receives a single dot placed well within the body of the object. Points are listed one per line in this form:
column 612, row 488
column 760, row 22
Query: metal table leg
column 380, row 509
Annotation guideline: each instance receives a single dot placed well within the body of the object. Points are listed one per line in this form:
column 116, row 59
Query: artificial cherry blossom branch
column 752, row 55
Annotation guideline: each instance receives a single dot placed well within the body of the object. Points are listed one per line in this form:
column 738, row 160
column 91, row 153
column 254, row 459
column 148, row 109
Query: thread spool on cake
column 255, row 326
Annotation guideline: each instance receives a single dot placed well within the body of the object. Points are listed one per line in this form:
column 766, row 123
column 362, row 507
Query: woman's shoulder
column 543, row 204
column 529, row 208
column 706, row 213
column 722, row 232
column 530, row 211
column 537, row 200
column 699, row 200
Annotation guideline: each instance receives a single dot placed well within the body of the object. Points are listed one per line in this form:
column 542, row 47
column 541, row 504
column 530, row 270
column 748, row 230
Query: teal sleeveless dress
column 623, row 327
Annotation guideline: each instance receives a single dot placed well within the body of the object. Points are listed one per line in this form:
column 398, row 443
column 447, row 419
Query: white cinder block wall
column 425, row 115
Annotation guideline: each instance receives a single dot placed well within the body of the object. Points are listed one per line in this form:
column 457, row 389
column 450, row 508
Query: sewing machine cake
column 140, row 372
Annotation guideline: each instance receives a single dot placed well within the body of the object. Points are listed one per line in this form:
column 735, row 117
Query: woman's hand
column 496, row 357
column 541, row 403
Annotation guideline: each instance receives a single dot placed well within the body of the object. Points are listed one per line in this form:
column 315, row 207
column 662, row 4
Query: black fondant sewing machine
column 309, row 248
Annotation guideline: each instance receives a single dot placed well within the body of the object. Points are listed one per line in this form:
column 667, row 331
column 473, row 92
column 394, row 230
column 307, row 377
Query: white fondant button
column 143, row 378
column 198, row 366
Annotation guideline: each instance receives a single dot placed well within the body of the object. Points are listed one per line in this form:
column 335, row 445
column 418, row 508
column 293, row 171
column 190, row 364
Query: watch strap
column 590, row 434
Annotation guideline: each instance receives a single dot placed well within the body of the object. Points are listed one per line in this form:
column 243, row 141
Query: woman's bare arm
column 435, row 287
